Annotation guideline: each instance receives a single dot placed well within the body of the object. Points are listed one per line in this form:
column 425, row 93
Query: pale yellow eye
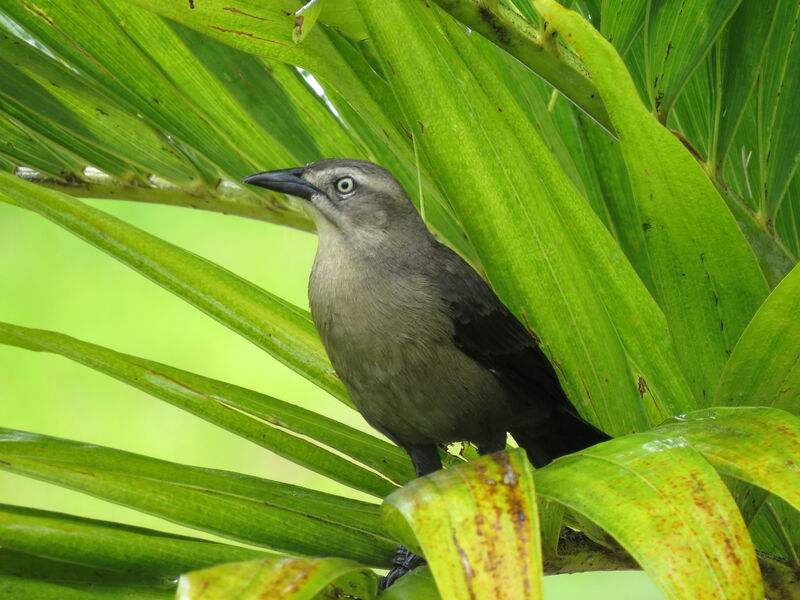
column 345, row 185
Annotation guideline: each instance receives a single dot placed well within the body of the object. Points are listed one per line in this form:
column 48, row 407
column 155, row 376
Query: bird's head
column 354, row 198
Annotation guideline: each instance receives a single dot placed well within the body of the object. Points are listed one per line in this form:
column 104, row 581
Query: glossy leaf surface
column 248, row 509
column 477, row 526
column 641, row 488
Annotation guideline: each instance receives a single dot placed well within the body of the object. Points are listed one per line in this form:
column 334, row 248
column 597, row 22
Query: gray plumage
column 425, row 348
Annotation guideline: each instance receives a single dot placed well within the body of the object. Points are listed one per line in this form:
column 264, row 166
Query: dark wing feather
column 486, row 331
column 490, row 334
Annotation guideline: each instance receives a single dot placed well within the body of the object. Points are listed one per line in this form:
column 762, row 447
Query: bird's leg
column 404, row 561
column 426, row 460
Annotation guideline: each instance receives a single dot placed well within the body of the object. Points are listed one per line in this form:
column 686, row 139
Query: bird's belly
column 398, row 361
column 422, row 390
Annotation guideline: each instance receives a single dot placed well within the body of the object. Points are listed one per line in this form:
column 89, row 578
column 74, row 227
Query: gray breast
column 390, row 341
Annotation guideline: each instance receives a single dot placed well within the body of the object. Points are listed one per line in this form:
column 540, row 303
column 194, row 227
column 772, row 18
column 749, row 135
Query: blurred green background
column 52, row 280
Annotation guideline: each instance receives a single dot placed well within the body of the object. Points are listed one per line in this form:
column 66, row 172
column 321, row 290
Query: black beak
column 288, row 181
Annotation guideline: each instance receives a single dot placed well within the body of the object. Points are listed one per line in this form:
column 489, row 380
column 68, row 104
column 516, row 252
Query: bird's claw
column 404, row 561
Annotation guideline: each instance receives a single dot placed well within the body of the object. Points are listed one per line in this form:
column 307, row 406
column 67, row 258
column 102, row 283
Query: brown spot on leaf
column 585, row 387
column 557, row 364
column 246, row 34
column 298, row 24
column 405, row 130
column 530, row 329
column 641, row 385
column 241, row 12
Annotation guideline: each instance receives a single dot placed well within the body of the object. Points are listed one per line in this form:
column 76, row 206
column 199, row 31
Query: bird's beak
column 288, row 181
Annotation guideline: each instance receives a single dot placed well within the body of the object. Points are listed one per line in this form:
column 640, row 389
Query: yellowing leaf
column 280, row 579
column 477, row 526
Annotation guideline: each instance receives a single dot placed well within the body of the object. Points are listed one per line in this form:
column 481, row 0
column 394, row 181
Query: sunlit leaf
column 415, row 585
column 537, row 236
column 280, row 579
column 505, row 27
column 265, row 30
column 641, row 488
column 477, row 526
column 706, row 277
column 758, row 445
column 305, row 18
column 761, row 447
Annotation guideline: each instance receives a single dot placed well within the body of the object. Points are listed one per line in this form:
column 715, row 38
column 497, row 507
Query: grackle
column 423, row 345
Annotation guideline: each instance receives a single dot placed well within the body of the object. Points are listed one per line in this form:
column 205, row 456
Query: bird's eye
column 345, row 185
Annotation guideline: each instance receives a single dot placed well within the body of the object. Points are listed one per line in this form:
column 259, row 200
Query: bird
column 427, row 351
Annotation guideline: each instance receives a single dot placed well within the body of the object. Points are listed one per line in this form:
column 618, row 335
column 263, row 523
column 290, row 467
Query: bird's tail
column 563, row 433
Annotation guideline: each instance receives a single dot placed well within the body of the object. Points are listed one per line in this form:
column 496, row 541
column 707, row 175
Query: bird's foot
column 404, row 561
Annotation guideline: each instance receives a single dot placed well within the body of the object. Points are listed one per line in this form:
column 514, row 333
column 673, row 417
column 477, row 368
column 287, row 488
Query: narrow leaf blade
column 477, row 525
column 278, row 327
column 764, row 367
column 252, row 510
column 600, row 327
column 254, row 416
column 133, row 551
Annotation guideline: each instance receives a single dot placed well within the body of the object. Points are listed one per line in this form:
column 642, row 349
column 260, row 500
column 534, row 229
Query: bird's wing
column 486, row 331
